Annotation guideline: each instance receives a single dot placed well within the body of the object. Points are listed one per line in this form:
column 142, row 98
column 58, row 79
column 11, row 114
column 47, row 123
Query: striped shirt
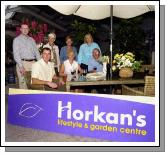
column 24, row 47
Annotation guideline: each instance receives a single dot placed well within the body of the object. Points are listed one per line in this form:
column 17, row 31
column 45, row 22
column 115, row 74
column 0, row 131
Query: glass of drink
column 84, row 72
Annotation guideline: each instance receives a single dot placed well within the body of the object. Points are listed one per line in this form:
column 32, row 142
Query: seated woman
column 70, row 67
column 94, row 65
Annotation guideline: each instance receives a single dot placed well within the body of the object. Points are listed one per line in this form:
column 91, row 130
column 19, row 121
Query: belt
column 28, row 59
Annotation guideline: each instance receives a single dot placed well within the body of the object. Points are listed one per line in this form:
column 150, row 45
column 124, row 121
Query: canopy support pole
column 111, row 20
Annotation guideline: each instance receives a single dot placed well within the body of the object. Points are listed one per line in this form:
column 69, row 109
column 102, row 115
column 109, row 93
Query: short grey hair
column 52, row 35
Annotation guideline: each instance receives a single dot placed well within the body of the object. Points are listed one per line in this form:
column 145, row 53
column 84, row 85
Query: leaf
column 29, row 110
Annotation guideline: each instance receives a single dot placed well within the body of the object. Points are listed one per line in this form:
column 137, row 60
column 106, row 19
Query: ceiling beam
column 26, row 10
column 14, row 9
column 10, row 33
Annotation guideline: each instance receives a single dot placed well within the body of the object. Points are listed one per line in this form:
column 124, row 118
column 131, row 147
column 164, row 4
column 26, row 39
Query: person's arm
column 61, row 55
column 16, row 54
column 48, row 83
column 37, row 81
column 76, row 54
column 80, row 54
column 55, row 77
column 58, row 58
column 90, row 66
column 79, row 69
column 35, row 49
column 62, row 70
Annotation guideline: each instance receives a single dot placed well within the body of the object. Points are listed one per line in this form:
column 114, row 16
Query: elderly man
column 55, row 58
column 43, row 72
column 25, row 54
column 94, row 65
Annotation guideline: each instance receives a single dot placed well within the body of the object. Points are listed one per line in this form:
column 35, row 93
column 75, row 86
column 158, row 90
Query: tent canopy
column 97, row 12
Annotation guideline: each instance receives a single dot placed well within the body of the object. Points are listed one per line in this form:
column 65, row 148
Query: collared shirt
column 85, row 52
column 42, row 70
column 55, row 52
column 94, row 63
column 63, row 53
column 70, row 67
column 24, row 47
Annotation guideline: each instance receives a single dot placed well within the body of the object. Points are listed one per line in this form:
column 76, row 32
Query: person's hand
column 52, row 85
column 81, row 71
column 61, row 82
column 22, row 71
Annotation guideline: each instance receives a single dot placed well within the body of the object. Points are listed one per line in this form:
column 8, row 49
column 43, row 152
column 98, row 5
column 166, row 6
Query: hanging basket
column 125, row 73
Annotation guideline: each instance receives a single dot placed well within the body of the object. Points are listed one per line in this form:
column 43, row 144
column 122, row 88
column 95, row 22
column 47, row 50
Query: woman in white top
column 70, row 67
column 55, row 58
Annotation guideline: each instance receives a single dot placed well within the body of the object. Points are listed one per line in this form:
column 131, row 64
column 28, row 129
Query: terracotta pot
column 125, row 73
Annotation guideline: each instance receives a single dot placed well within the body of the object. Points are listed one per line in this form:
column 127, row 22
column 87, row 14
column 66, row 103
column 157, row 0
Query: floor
column 21, row 134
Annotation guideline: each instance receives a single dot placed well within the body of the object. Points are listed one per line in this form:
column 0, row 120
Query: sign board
column 84, row 115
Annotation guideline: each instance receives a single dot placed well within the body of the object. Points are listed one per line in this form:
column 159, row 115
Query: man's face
column 24, row 29
column 46, row 55
column 96, row 54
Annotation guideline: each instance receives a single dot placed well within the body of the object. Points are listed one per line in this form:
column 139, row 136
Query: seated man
column 94, row 65
column 43, row 72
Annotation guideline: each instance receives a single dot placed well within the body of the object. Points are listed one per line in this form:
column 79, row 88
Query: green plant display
column 80, row 29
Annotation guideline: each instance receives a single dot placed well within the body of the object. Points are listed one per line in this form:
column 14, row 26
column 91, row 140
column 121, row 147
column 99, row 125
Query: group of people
column 52, row 64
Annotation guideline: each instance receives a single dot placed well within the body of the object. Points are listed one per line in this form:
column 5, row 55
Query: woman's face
column 51, row 40
column 69, row 42
column 71, row 56
column 88, row 39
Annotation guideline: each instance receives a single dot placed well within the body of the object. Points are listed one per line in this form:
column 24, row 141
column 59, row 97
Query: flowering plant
column 104, row 59
column 126, row 60
column 37, row 31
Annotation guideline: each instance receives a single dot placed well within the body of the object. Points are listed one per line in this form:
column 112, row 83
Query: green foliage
column 129, row 36
column 80, row 29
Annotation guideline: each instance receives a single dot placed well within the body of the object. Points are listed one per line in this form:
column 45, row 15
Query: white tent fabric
column 97, row 12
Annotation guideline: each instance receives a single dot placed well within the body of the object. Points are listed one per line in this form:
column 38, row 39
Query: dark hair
column 48, row 49
column 24, row 24
column 68, row 37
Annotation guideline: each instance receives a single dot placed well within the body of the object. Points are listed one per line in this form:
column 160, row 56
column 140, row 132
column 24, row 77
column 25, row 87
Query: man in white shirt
column 43, row 71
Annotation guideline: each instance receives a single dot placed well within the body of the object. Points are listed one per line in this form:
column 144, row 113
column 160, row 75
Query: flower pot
column 125, row 73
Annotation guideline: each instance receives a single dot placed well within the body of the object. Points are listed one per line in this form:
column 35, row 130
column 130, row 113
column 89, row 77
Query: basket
column 125, row 73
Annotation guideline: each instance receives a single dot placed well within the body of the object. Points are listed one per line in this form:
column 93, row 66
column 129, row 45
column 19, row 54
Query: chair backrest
column 149, row 88
column 27, row 77
column 150, row 67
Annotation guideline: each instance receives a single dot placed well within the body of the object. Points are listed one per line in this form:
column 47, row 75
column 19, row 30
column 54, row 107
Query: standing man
column 55, row 58
column 25, row 54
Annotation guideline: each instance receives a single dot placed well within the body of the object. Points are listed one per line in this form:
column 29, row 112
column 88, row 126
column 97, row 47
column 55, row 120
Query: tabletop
column 138, row 78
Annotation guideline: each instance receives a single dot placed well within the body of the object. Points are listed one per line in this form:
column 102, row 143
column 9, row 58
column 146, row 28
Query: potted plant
column 126, row 64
